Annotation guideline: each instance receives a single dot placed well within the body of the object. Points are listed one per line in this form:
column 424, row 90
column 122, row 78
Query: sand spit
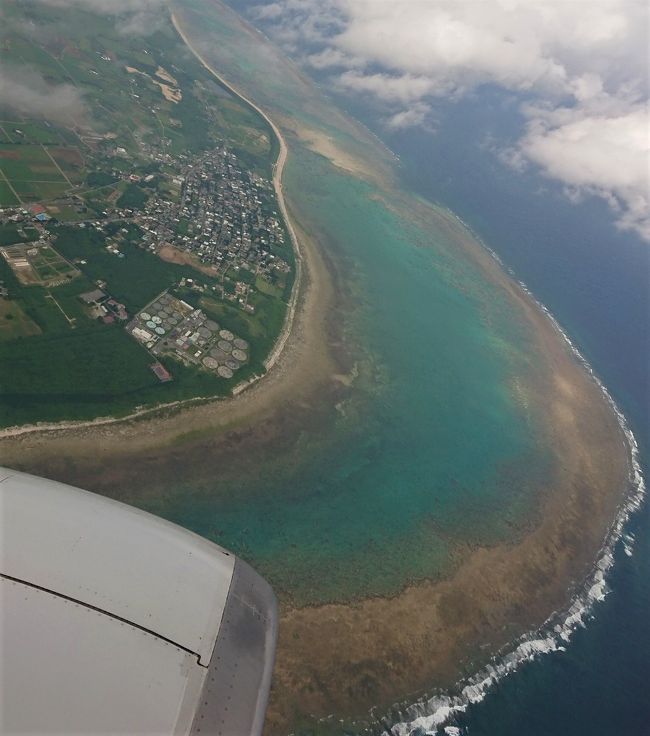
column 326, row 146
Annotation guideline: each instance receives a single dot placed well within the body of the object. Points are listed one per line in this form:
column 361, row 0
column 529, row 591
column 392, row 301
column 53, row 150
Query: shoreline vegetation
column 350, row 657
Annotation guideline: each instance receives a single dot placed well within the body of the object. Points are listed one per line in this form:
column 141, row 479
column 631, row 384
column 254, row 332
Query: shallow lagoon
column 431, row 452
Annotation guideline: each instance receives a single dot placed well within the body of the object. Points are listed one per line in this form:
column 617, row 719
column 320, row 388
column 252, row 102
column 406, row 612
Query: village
column 159, row 197
column 211, row 208
column 224, row 217
column 212, row 214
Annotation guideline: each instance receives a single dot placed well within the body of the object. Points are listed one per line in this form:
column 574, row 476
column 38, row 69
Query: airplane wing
column 113, row 621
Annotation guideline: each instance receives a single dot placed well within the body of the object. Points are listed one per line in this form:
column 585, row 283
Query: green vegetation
column 134, row 279
column 7, row 196
column 266, row 287
column 22, row 131
column 12, row 234
column 14, row 322
column 107, row 366
column 58, row 359
column 111, row 377
column 24, row 162
column 99, row 179
column 132, row 197
column 124, row 110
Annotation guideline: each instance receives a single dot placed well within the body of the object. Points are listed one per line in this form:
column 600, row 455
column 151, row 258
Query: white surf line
column 278, row 168
column 438, row 710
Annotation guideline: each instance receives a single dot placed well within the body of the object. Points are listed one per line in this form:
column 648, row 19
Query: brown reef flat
column 379, row 650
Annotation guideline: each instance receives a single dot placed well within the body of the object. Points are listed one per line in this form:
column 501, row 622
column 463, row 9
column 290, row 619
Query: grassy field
column 36, row 173
column 28, row 162
column 266, row 287
column 133, row 196
column 12, row 234
column 30, row 131
column 8, row 197
column 14, row 322
column 70, row 161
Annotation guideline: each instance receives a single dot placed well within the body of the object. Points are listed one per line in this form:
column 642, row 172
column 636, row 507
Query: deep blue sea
column 595, row 279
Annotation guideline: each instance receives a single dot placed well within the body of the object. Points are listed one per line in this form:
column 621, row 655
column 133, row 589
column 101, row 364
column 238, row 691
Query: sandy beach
column 346, row 658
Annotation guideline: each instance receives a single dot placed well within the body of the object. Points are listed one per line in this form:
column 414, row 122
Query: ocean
column 431, row 451
column 595, row 279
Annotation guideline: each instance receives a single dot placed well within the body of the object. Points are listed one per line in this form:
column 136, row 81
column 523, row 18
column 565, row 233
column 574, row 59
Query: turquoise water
column 435, row 444
column 433, row 452
column 429, row 452
column 596, row 280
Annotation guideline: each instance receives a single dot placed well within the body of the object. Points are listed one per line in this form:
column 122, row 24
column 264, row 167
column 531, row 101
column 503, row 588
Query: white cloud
column 596, row 154
column 417, row 115
column 583, row 62
column 26, row 91
column 405, row 88
column 330, row 57
column 136, row 17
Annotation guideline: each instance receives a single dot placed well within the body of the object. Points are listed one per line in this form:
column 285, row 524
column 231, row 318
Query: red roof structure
column 161, row 372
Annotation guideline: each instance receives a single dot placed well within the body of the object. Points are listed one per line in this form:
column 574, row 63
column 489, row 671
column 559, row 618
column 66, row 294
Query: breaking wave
column 429, row 716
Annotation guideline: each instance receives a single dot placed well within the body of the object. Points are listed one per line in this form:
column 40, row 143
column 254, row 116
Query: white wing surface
column 114, row 621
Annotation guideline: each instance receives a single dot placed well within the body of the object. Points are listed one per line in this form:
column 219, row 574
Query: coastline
column 439, row 633
column 381, row 660
column 278, row 168
column 432, row 712
column 285, row 332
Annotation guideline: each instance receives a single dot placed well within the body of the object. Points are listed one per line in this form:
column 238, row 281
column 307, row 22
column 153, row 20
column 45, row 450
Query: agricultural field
column 34, row 173
column 8, row 196
column 10, row 234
